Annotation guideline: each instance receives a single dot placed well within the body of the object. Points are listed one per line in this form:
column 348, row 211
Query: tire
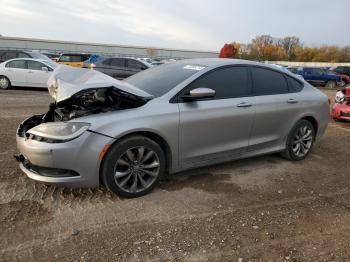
column 301, row 129
column 331, row 84
column 342, row 83
column 4, row 82
column 133, row 166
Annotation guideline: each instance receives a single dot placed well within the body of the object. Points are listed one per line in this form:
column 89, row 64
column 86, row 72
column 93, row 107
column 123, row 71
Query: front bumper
column 74, row 163
column 341, row 112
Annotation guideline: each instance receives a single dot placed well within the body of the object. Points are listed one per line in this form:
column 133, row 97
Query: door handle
column 244, row 104
column 292, row 101
column 30, row 72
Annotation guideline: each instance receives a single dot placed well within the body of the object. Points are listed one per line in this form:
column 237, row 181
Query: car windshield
column 159, row 80
column 39, row 56
column 52, row 64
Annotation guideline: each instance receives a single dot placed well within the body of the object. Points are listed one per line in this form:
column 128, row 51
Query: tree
column 289, row 44
column 228, row 51
column 265, row 47
column 260, row 45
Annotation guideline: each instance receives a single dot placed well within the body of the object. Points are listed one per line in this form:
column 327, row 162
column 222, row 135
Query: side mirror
column 45, row 69
column 200, row 92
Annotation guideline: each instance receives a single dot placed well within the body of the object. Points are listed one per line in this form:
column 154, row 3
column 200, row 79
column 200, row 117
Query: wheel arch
column 313, row 121
column 151, row 135
column 7, row 79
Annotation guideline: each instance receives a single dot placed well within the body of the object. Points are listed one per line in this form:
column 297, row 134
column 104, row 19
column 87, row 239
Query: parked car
column 11, row 54
column 341, row 108
column 128, row 134
column 25, row 72
column 344, row 79
column 53, row 56
column 317, row 76
column 120, row 67
column 345, row 70
column 73, row 59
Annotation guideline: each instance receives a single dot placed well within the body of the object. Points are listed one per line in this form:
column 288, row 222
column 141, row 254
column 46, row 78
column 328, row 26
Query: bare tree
column 289, row 43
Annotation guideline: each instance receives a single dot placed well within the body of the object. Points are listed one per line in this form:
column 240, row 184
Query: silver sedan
column 128, row 134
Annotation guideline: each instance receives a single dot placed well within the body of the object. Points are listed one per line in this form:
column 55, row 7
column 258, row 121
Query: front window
column 159, row 80
column 64, row 58
column 135, row 64
column 34, row 65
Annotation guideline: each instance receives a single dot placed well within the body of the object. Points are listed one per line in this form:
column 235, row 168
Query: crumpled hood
column 67, row 81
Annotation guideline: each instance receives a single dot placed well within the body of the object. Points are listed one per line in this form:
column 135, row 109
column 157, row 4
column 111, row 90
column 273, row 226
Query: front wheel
column 300, row 141
column 4, row 82
column 133, row 167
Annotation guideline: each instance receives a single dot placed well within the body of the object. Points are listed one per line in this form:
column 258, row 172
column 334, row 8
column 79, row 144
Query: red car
column 341, row 108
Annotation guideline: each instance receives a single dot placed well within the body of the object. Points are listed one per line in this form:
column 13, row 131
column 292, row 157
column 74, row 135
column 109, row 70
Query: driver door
column 216, row 129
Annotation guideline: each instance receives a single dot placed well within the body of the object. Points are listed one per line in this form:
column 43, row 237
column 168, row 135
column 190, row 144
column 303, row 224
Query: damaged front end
column 341, row 107
column 82, row 92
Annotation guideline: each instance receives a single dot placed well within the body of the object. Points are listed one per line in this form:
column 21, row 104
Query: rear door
column 216, row 129
column 16, row 71
column 37, row 77
column 276, row 109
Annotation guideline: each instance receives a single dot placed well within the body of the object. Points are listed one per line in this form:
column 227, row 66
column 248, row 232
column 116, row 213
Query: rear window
column 268, row 82
column 159, row 80
column 118, row 62
column 17, row 64
column 73, row 58
column 294, row 85
column 39, row 56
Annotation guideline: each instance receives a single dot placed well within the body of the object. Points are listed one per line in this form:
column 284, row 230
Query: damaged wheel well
column 153, row 136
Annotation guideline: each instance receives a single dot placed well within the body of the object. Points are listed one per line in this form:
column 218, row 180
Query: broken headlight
column 59, row 130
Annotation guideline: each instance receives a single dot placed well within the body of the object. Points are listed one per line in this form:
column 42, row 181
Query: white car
column 27, row 72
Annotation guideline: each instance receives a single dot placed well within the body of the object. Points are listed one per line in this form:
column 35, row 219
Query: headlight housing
column 59, row 130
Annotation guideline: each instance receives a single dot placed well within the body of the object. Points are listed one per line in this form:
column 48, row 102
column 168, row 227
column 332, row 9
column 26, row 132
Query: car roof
column 29, row 59
column 73, row 54
column 218, row 62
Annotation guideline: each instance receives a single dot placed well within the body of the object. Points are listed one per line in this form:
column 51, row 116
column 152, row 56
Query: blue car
column 317, row 76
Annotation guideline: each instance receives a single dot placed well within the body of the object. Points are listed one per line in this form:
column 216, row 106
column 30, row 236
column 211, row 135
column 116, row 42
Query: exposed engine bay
column 93, row 101
column 83, row 103
column 80, row 92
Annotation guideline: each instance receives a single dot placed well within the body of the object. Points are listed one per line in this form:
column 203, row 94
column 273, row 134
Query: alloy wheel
column 136, row 169
column 4, row 83
column 302, row 141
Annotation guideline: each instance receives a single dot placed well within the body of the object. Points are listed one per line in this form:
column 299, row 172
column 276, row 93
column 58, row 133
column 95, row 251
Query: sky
column 182, row 24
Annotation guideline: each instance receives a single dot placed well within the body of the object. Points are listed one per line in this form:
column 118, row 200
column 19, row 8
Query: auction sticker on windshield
column 194, row 67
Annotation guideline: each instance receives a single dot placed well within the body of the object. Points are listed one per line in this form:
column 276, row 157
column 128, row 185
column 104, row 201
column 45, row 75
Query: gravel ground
column 260, row 209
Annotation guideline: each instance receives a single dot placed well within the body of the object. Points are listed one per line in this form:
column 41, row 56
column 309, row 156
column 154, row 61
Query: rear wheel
column 133, row 167
column 331, row 84
column 300, row 141
column 4, row 82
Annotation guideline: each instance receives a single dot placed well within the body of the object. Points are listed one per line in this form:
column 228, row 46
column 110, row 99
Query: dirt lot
column 261, row 209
